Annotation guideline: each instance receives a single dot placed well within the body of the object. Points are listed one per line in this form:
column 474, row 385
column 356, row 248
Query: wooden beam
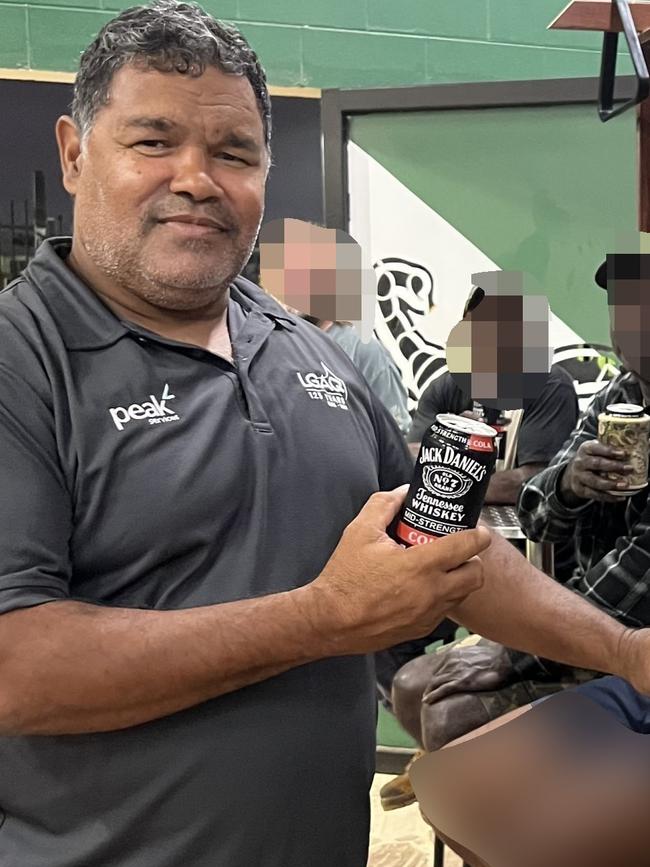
column 68, row 78
column 298, row 92
column 37, row 75
column 599, row 15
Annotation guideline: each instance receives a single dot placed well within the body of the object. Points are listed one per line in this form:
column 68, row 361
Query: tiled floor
column 400, row 838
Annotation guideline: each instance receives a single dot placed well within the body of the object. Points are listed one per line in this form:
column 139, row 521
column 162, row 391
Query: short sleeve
column 383, row 377
column 442, row 395
column 548, row 422
column 35, row 505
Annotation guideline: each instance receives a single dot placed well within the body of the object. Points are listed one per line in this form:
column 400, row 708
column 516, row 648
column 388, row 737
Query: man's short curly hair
column 167, row 36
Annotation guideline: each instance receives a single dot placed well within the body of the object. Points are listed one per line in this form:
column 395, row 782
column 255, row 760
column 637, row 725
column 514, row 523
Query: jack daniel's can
column 449, row 482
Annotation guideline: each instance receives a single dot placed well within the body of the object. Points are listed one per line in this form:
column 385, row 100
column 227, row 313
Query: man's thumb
column 382, row 507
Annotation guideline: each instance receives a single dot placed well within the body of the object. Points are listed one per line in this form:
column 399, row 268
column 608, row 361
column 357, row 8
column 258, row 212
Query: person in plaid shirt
column 611, row 534
column 573, row 498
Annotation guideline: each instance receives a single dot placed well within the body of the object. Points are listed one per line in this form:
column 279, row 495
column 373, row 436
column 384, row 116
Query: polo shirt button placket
column 244, row 357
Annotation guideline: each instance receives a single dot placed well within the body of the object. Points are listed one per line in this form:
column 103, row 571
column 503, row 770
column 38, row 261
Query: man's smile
column 189, row 229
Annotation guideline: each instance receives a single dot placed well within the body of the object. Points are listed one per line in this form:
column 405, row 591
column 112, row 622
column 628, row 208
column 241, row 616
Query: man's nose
column 196, row 174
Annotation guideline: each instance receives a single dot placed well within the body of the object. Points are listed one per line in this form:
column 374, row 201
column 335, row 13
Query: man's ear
column 70, row 154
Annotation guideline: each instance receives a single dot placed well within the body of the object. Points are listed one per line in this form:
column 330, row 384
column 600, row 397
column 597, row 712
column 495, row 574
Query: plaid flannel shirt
column 612, row 541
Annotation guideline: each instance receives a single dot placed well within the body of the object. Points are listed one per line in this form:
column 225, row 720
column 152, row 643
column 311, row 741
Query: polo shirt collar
column 251, row 297
column 85, row 322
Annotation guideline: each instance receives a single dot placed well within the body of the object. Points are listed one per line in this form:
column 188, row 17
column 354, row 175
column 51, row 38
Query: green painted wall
column 364, row 43
column 544, row 190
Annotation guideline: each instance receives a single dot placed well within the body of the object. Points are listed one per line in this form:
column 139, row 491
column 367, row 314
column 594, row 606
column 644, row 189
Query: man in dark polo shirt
column 194, row 568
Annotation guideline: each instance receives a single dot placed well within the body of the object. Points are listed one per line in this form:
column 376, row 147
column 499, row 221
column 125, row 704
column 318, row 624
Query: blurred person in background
column 532, row 433
column 318, row 273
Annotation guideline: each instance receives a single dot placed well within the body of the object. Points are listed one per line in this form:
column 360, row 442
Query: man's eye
column 154, row 143
column 233, row 158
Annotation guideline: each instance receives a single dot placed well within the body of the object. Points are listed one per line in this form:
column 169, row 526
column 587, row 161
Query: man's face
column 629, row 311
column 499, row 354
column 169, row 188
column 310, row 270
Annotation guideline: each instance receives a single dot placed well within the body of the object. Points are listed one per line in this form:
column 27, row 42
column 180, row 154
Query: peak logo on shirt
column 154, row 410
column 325, row 386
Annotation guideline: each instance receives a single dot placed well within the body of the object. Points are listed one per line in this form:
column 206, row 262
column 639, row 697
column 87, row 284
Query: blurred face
column 169, row 187
column 629, row 311
column 307, row 268
column 499, row 354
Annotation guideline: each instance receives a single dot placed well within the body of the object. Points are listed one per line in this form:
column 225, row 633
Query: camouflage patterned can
column 625, row 426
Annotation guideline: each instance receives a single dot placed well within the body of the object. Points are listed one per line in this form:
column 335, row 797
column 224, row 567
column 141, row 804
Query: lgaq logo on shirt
column 325, row 386
column 154, row 410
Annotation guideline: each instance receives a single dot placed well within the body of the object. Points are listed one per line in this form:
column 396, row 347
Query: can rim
column 462, row 424
column 624, row 409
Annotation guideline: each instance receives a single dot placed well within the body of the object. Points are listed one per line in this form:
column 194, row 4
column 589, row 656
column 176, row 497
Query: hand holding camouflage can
column 626, row 427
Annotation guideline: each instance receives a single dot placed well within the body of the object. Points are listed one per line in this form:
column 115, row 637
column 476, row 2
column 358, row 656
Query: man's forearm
column 522, row 608
column 76, row 668
column 505, row 486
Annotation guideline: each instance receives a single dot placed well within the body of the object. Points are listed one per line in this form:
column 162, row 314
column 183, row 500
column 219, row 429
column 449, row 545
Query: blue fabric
column 619, row 698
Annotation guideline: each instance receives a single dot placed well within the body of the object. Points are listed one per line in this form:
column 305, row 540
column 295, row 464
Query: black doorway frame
column 338, row 106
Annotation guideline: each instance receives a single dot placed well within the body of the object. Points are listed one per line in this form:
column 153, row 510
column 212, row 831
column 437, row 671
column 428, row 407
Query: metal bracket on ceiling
column 606, row 108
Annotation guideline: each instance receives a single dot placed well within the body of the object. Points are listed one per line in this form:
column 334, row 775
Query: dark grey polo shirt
column 140, row 472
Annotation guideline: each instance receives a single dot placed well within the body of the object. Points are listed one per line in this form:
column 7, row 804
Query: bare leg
column 564, row 784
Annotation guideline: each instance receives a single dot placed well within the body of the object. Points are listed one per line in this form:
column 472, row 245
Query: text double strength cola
column 450, row 479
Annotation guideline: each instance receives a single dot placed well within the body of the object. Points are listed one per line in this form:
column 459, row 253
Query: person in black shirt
column 545, row 425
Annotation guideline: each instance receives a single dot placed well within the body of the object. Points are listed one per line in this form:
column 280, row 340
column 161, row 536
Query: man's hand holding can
column 373, row 593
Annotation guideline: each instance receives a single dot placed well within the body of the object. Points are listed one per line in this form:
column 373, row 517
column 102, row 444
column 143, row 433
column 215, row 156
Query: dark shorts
column 620, row 699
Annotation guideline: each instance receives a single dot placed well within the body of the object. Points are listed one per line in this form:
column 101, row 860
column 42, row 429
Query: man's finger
column 468, row 680
column 439, row 689
column 595, row 447
column 381, row 508
column 600, row 483
column 597, row 464
column 452, row 551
